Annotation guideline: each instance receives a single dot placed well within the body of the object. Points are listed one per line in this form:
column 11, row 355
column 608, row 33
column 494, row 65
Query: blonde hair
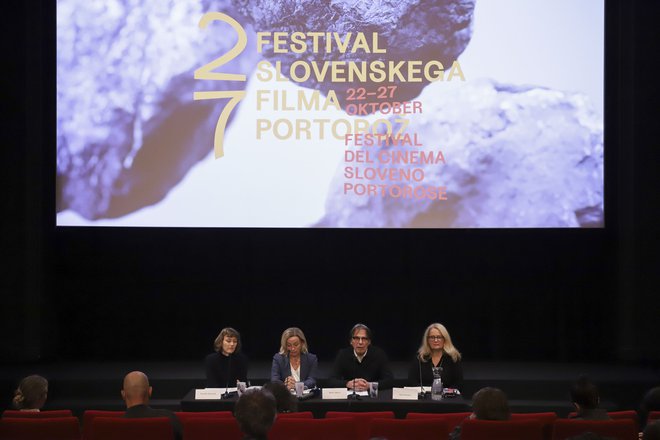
column 424, row 352
column 230, row 332
column 289, row 333
column 31, row 393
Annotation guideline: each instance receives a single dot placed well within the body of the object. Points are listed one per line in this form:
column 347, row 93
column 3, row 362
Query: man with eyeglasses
column 361, row 363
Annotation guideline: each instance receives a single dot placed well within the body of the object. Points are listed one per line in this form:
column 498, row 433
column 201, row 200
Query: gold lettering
column 298, row 42
column 342, row 47
column 440, row 73
column 279, row 39
column 263, row 71
column 360, row 43
column 331, row 100
column 456, row 70
column 414, row 71
column 376, row 49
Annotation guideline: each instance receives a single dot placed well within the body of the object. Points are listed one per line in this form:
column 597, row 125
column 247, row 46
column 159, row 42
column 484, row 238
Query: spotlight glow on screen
column 339, row 114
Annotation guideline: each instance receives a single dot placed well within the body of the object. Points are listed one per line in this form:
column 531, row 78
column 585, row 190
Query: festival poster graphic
column 336, row 114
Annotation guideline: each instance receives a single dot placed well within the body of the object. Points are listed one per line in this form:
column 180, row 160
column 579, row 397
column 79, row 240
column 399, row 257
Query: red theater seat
column 90, row 415
column 547, row 420
column 58, row 428
column 207, row 428
column 542, row 416
column 360, row 415
column 341, row 428
column 452, row 419
column 618, row 415
column 113, row 428
column 37, row 414
column 296, row 415
column 418, row 429
column 653, row 415
column 362, row 419
column 473, row 429
column 623, row 429
column 184, row 416
column 625, row 415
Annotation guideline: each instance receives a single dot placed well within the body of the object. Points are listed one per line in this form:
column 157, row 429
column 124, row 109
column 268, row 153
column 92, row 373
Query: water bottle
column 436, row 389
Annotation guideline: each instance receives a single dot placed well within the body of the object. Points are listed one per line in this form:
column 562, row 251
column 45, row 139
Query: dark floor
column 529, row 386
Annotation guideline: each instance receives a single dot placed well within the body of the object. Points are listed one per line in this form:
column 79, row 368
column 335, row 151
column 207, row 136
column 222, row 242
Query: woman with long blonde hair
column 436, row 356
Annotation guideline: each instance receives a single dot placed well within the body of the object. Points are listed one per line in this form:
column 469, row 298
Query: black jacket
column 373, row 368
column 147, row 412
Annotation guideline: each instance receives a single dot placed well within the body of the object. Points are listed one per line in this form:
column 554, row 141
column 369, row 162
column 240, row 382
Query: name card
column 404, row 394
column 334, row 393
column 209, row 394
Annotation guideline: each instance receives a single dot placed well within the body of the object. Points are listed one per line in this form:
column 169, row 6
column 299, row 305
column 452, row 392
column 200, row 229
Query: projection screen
column 336, row 114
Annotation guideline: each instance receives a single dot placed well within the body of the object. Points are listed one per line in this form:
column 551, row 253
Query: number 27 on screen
column 207, row 72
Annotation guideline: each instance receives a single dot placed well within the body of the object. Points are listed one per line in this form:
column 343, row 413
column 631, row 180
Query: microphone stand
column 226, row 394
column 421, row 395
column 354, row 395
column 288, row 363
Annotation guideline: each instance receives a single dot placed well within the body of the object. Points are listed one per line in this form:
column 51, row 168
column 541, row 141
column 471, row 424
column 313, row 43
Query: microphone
column 421, row 393
column 288, row 363
column 226, row 394
column 355, row 395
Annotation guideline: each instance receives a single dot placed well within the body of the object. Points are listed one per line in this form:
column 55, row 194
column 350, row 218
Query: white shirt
column 295, row 373
column 359, row 358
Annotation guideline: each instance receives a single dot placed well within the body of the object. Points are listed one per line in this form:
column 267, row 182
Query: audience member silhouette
column 652, row 431
column 255, row 413
column 650, row 402
column 31, row 393
column 285, row 401
column 136, row 393
column 585, row 398
column 487, row 404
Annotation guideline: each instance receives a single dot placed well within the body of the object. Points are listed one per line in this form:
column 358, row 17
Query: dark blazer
column 281, row 368
column 146, row 412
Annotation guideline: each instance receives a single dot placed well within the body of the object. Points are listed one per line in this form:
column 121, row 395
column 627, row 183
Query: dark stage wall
column 106, row 293
column 503, row 294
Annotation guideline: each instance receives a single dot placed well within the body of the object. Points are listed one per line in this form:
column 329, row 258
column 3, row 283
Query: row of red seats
column 108, row 425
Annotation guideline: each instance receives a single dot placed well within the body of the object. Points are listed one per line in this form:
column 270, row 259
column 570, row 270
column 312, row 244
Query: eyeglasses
column 436, row 338
column 360, row 339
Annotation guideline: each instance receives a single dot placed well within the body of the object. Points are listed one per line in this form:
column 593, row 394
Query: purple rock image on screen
column 127, row 129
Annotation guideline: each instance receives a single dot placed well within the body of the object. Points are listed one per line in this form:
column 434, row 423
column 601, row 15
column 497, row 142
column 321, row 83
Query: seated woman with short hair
column 227, row 365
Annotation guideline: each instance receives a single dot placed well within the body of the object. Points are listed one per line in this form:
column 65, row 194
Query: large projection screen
column 339, row 114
